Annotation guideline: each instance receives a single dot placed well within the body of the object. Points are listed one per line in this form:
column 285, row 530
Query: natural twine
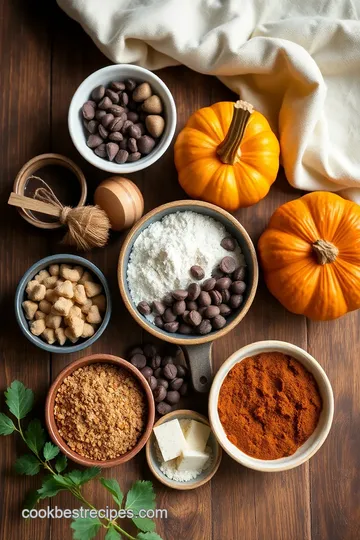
column 88, row 226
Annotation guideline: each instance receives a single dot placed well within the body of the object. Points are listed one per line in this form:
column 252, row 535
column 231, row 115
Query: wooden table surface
column 44, row 56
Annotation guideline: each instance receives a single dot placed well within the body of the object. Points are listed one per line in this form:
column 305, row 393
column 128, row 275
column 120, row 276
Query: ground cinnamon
column 269, row 405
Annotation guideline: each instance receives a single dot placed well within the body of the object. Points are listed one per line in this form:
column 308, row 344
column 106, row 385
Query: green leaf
column 141, row 496
column 85, row 528
column 81, row 477
column 35, row 436
column 74, row 476
column 112, row 534
column 114, row 488
column 19, row 399
column 7, row 426
column 144, row 524
column 50, row 451
column 61, row 463
column 27, row 464
column 31, row 500
column 51, row 487
column 148, row 536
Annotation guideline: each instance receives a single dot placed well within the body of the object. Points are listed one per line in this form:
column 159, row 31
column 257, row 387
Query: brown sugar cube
column 37, row 327
column 51, row 295
column 53, row 321
column 50, row 282
column 42, row 275
column 92, row 288
column 37, row 293
column 76, row 325
column 88, row 331
column 70, row 335
column 62, row 306
column 65, row 289
column 70, row 274
column 45, row 306
column 54, row 269
column 79, row 294
column 85, row 308
column 94, row 316
column 86, row 277
column 60, row 335
column 100, row 302
column 49, row 335
column 40, row 314
column 30, row 309
column 30, row 286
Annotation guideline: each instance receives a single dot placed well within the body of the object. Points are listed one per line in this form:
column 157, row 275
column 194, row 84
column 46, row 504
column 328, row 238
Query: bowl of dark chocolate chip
column 122, row 118
column 188, row 274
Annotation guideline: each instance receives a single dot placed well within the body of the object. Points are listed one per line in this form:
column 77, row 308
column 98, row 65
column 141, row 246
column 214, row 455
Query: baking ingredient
column 191, row 460
column 45, row 455
column 310, row 255
column 66, row 305
column 164, row 252
column 269, row 405
column 100, row 411
column 197, row 435
column 170, row 439
column 227, row 155
column 126, row 123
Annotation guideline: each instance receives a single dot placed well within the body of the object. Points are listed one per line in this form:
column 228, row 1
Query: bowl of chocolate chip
column 188, row 274
column 122, row 118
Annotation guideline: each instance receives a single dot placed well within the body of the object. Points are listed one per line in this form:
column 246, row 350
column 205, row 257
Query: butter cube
column 170, row 439
column 197, row 435
column 191, row 460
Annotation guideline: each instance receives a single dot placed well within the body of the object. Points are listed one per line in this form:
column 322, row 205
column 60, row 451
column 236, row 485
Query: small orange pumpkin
column 310, row 255
column 227, row 155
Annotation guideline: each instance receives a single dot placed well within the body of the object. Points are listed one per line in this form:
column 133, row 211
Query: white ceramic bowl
column 119, row 72
column 312, row 445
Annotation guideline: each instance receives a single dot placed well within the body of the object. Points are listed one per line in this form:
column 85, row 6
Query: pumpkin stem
column 325, row 251
column 228, row 150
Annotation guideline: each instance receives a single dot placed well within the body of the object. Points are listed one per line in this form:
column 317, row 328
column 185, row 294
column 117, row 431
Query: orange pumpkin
column 227, row 155
column 310, row 255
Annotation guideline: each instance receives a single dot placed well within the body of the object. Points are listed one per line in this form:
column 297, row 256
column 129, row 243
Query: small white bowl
column 312, row 445
column 120, row 72
column 204, row 476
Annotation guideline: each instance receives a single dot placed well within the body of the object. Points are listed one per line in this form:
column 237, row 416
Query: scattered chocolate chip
column 98, row 93
column 235, row 300
column 227, row 265
column 216, row 297
column 158, row 307
column 176, row 383
column 211, row 312
column 202, row 310
column 180, row 294
column 149, row 350
column 146, row 371
column 116, row 136
column 168, row 299
column 101, row 150
column 155, row 362
column 184, row 389
column 218, row 322
column 163, row 408
column 173, row 397
column 105, row 103
column 194, row 290
column 209, row 284
column 185, row 329
column 171, row 327
column 159, row 393
column 205, row 327
column 135, row 156
column 135, row 350
column 225, row 310
column 132, row 146
column 103, row 132
column 225, row 296
column 112, row 149
column 197, row 272
column 158, row 372
column 145, row 144
column 94, row 141
column 179, row 307
column 169, row 316
column 138, row 360
column 88, row 111
column 182, row 371
column 144, row 308
column 158, row 321
column 112, row 95
column 223, row 283
column 134, row 131
column 124, row 99
column 116, row 110
column 192, row 306
column 228, row 243
column 152, row 382
column 238, row 287
column 194, row 318
column 204, row 299
column 170, row 371
column 118, row 86
column 107, row 119
column 99, row 114
column 130, row 85
column 163, row 382
column 92, row 126
column 121, row 156
column 134, row 117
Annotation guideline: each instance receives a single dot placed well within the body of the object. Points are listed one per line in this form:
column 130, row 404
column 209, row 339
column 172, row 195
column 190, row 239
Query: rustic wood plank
column 334, row 470
column 25, row 120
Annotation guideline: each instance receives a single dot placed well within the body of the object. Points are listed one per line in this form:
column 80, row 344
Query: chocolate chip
column 223, row 283
column 171, row 327
column 144, row 308
column 225, row 310
column 227, row 265
column 94, row 141
column 123, row 143
column 134, row 117
column 225, row 296
column 107, row 119
column 126, row 126
column 158, row 307
column 118, row 86
column 159, row 393
column 121, row 156
column 146, row 144
column 185, row 316
column 168, row 299
column 209, row 284
column 134, row 131
column 101, row 150
column 117, row 110
column 92, row 126
column 204, row 299
column 158, row 321
column 163, row 408
column 169, row 316
column 180, row 294
column 99, row 114
column 103, row 132
column 184, row 389
column 194, row 318
column 98, row 93
column 135, row 350
column 155, row 362
column 130, row 85
column 124, row 99
column 150, row 350
column 216, row 297
column 105, row 103
column 185, row 329
column 170, row 371
column 152, row 382
column 132, row 146
column 173, row 397
column 194, row 290
column 112, row 95
column 88, row 111
column 228, row 243
column 192, row 306
column 112, row 149
column 163, row 382
column 181, row 371
column 147, row 371
column 138, row 360
column 135, row 156
column 205, row 327
column 218, row 322
column 238, row 287
column 176, row 383
column 211, row 312
column 158, row 372
column 235, row 300
column 141, row 127
column 217, row 274
column 202, row 310
column 197, row 272
column 179, row 307
column 116, row 136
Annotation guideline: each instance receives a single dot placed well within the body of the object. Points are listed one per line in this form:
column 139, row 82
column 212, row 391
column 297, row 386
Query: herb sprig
column 47, row 456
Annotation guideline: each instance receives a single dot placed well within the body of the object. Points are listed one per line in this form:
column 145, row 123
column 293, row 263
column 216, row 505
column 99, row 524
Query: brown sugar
column 269, row 405
column 100, row 411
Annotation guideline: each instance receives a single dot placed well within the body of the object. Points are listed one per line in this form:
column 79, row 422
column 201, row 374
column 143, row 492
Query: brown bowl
column 50, row 402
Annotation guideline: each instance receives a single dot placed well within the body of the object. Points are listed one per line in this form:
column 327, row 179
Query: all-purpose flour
column 163, row 254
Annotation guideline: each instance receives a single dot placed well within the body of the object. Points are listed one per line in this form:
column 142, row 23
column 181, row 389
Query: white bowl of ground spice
column 100, row 411
column 271, row 406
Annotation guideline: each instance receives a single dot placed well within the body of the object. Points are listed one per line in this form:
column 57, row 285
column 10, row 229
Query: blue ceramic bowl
column 20, row 297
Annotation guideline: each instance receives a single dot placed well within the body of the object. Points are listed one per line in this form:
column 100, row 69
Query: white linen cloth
column 296, row 61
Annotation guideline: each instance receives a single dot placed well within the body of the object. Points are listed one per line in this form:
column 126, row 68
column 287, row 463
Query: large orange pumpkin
column 227, row 155
column 310, row 255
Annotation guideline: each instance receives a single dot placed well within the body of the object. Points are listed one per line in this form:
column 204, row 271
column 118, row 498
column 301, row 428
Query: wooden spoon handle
column 32, row 204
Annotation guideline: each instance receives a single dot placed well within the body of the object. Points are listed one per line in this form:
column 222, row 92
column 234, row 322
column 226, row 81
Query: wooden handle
column 32, row 204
